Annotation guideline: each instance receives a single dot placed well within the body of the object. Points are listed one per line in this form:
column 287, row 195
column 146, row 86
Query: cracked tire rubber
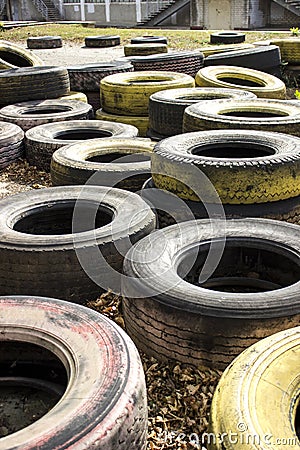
column 260, row 83
column 128, row 93
column 39, row 252
column 104, row 406
column 44, row 42
column 149, row 40
column 264, row 58
column 257, row 114
column 13, row 56
column 159, row 200
column 33, row 83
column 102, row 41
column 71, row 165
column 169, row 315
column 227, row 37
column 236, row 163
column 11, row 143
column 31, row 114
column 144, row 49
column 86, row 77
column 261, row 401
column 188, row 62
column 140, row 122
column 42, row 141
column 166, row 108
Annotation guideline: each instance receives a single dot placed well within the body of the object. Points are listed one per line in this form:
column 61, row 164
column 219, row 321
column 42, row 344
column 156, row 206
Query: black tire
column 257, row 114
column 58, row 332
column 144, row 49
column 265, row 58
column 166, row 108
column 44, row 42
column 227, row 37
column 149, row 40
column 33, row 83
column 93, row 98
column 161, row 202
column 31, row 114
column 189, row 62
column 71, row 165
column 11, row 143
column 13, row 56
column 42, row 141
column 154, row 135
column 234, row 161
column 171, row 316
column 86, row 77
column 40, row 249
column 102, row 41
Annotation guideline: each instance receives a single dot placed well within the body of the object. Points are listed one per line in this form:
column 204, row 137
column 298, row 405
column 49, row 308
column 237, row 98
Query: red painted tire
column 104, row 404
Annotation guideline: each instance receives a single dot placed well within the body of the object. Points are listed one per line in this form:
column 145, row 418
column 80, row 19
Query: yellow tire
column 289, row 49
column 128, row 93
column 13, row 56
column 255, row 403
column 140, row 122
column 144, row 49
column 73, row 95
column 260, row 83
column 212, row 49
column 245, row 167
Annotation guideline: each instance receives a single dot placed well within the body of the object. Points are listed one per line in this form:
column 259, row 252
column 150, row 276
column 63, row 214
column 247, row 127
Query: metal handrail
column 42, row 8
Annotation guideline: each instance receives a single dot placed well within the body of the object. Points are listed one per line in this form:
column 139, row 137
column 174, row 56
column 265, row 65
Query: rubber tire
column 140, row 122
column 267, row 85
column 169, row 318
column 42, row 141
column 264, row 58
column 13, row 56
column 236, row 180
column 11, row 143
column 44, row 42
column 227, row 37
column 284, row 210
column 77, row 96
column 144, row 49
column 86, row 77
column 102, row 41
column 128, row 93
column 47, row 264
column 188, row 62
column 70, row 165
column 289, row 49
column 212, row 49
column 166, row 108
column 104, row 406
column 149, row 40
column 33, row 83
column 260, row 114
column 19, row 113
column 262, row 399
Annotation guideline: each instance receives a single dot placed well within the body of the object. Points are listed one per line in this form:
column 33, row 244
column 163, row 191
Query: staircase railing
column 41, row 7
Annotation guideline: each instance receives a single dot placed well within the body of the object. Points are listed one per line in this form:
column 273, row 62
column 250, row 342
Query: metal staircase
column 163, row 12
column 48, row 10
column 292, row 5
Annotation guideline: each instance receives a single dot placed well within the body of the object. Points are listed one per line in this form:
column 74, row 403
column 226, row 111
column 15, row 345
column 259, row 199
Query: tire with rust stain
column 53, row 239
column 202, row 291
column 104, row 405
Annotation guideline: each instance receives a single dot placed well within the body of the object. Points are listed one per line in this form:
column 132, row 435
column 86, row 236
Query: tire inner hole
column 195, row 98
column 233, row 150
column 246, row 266
column 46, row 110
column 14, row 59
column 119, row 157
column 252, row 113
column 75, row 135
column 57, row 218
column 32, row 381
column 241, row 82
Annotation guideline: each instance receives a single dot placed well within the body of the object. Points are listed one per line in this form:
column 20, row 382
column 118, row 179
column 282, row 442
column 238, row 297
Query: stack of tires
column 125, row 97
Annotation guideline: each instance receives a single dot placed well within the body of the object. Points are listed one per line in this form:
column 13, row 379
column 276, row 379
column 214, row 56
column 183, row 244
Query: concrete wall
column 25, row 10
column 219, row 14
column 281, row 17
